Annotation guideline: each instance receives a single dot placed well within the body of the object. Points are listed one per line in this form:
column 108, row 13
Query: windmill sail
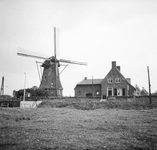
column 72, row 62
column 27, row 53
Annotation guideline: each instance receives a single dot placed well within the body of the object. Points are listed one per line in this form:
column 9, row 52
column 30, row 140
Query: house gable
column 115, row 84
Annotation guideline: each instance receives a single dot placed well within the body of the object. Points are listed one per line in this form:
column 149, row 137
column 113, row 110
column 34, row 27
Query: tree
column 34, row 87
column 18, row 93
column 39, row 93
column 34, row 92
column 155, row 93
column 138, row 91
column 144, row 92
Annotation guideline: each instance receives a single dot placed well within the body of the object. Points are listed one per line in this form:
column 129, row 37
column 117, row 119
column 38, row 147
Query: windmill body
column 50, row 81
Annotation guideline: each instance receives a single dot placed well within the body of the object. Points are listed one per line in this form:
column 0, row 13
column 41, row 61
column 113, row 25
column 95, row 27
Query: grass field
column 65, row 125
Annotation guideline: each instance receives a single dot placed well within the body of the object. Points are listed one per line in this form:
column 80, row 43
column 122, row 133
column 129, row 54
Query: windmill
column 50, row 78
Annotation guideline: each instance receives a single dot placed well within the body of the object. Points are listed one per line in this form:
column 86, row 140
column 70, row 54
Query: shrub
column 33, row 93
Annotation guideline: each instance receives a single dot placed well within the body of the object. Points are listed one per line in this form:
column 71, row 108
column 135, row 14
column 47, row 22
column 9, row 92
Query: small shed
column 88, row 88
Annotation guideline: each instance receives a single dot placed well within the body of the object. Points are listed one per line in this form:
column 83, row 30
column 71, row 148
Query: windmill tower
column 50, row 78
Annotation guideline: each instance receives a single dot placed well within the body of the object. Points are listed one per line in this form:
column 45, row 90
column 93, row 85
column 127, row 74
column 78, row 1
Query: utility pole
column 2, row 87
column 92, row 88
column 24, row 91
column 150, row 99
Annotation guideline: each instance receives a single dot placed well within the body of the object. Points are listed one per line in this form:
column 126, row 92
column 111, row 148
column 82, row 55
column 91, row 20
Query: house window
column 89, row 94
column 79, row 92
column 97, row 93
column 110, row 80
column 51, row 84
column 117, row 80
column 119, row 92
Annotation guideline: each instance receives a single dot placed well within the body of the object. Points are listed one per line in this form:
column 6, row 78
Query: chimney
column 85, row 78
column 113, row 64
column 118, row 67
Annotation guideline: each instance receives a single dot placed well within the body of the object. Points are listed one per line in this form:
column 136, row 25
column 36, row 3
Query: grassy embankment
column 80, row 125
column 92, row 104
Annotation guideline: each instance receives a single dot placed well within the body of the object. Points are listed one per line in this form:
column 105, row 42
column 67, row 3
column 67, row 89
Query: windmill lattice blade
column 72, row 62
column 27, row 53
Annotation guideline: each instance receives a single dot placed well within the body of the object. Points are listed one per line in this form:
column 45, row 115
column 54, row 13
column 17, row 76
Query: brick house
column 113, row 85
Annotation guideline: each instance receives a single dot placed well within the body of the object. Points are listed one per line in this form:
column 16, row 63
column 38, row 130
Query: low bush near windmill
column 33, row 92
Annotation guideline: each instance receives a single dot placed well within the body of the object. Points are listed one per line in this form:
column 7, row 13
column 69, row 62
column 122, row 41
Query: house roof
column 90, row 81
column 125, row 78
column 116, row 69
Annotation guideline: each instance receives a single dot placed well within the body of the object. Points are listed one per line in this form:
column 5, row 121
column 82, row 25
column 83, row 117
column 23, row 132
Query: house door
column 109, row 91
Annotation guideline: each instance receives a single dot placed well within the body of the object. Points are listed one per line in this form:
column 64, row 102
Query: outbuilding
column 88, row 88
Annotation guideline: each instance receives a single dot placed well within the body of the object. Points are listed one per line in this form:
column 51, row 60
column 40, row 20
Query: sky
column 93, row 31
